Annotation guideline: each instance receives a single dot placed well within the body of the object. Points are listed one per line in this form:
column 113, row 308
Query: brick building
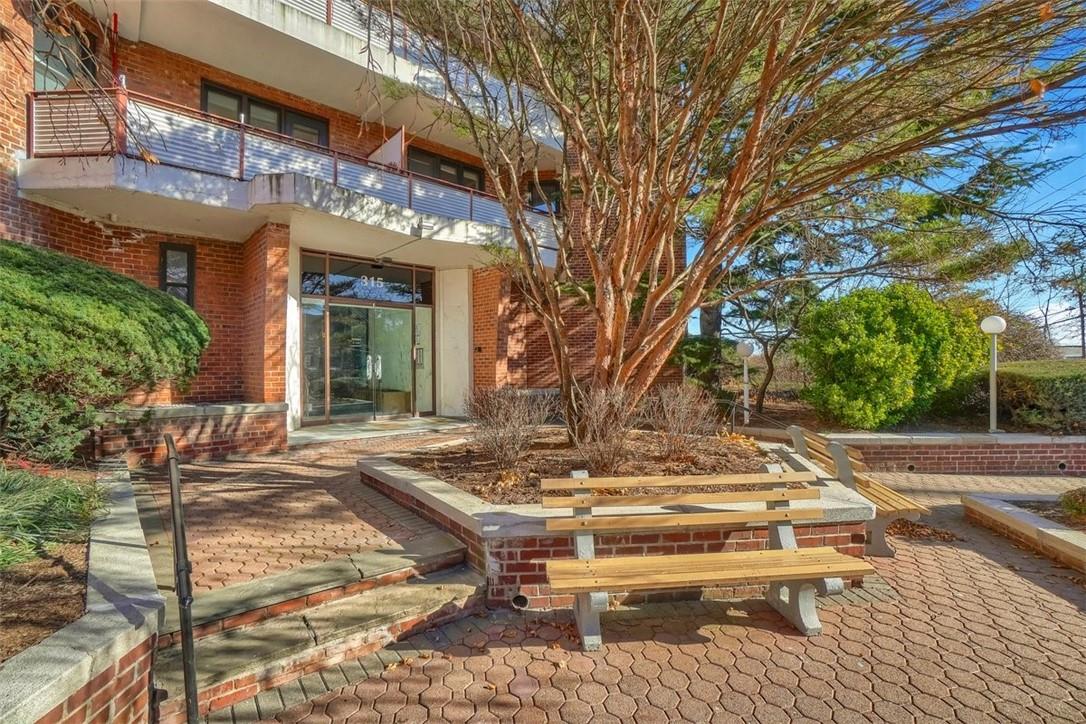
column 278, row 167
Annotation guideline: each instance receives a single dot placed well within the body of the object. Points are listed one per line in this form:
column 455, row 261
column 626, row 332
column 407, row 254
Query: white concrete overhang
column 132, row 193
column 277, row 43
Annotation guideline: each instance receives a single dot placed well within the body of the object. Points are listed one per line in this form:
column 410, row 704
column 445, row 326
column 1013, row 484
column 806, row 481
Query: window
column 549, row 200
column 446, row 169
column 177, row 271
column 264, row 115
column 61, row 59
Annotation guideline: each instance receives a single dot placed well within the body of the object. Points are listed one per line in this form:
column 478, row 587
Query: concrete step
column 298, row 589
column 236, row 665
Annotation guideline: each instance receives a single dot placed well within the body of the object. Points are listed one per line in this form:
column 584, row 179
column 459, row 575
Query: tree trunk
column 763, row 386
column 709, row 321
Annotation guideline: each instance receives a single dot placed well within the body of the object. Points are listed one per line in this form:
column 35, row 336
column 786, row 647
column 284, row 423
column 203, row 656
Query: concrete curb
column 490, row 520
column 124, row 609
column 1049, row 537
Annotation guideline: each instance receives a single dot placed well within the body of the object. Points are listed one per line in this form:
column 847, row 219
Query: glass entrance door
column 367, row 338
column 353, row 368
column 390, row 341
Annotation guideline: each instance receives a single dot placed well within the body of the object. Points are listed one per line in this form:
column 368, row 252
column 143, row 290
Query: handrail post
column 410, row 191
column 241, row 151
column 328, row 12
column 335, row 168
column 183, row 583
column 30, row 125
column 471, row 205
column 120, row 132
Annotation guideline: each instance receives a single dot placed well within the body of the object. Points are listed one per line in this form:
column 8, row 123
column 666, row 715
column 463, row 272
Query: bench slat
column 887, row 500
column 663, row 572
column 688, row 561
column 675, row 481
column 682, row 520
column 745, row 496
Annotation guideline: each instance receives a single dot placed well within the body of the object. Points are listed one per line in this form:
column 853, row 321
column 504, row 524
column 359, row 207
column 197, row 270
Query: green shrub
column 878, row 357
column 1074, row 501
column 1049, row 394
column 76, row 338
column 37, row 510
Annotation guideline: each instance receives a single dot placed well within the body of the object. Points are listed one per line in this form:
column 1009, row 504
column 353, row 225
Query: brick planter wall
column 515, row 564
column 201, row 432
column 119, row 694
column 978, row 454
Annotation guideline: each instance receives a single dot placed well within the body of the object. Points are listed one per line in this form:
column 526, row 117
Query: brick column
column 265, row 258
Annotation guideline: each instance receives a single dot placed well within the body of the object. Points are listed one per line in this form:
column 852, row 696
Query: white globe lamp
column 993, row 326
column 745, row 350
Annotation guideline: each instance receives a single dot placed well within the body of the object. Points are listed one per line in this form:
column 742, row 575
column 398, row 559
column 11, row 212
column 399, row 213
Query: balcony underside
column 129, row 192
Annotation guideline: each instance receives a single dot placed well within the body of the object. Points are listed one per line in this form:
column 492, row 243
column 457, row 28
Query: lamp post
column 993, row 326
column 745, row 350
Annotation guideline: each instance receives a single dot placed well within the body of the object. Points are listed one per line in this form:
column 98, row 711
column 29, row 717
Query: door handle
column 369, row 367
column 377, row 368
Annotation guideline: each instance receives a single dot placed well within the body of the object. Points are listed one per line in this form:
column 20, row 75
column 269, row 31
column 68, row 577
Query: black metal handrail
column 183, row 582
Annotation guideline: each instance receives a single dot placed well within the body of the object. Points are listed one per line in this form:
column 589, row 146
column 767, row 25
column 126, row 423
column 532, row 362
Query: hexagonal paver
column 980, row 631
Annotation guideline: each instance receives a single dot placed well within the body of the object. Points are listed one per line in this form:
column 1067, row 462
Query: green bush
column 1049, row 394
column 37, row 510
column 881, row 356
column 76, row 338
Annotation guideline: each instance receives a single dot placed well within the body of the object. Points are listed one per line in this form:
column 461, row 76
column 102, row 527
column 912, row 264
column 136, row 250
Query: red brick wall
column 157, row 72
column 264, row 300
column 993, row 459
column 120, row 694
column 198, row 438
column 132, row 252
column 517, row 565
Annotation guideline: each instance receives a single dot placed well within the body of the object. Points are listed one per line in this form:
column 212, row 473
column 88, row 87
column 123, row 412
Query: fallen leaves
column 921, row 531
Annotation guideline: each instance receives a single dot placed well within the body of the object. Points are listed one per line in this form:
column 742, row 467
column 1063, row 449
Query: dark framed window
column 547, row 197
column 177, row 271
column 61, row 60
column 446, row 169
column 263, row 114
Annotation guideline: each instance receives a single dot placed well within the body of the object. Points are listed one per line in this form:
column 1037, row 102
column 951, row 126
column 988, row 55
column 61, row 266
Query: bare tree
column 751, row 108
column 73, row 51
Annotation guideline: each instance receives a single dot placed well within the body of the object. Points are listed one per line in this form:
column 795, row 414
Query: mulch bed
column 1053, row 512
column 41, row 596
column 920, row 531
column 466, row 467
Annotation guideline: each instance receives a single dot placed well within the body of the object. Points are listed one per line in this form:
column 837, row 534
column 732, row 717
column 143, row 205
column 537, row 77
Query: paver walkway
column 247, row 519
column 982, row 631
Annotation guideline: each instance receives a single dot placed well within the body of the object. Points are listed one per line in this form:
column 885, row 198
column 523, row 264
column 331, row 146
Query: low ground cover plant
column 75, row 339
column 38, row 509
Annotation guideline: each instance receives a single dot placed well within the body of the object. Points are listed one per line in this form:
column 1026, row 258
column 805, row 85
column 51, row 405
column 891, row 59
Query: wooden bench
column 793, row 574
column 847, row 465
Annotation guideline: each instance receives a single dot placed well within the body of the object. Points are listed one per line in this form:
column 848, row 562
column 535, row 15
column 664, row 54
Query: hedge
column 76, row 338
column 1049, row 394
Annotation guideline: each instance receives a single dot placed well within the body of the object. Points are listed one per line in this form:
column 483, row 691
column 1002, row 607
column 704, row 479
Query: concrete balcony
column 88, row 152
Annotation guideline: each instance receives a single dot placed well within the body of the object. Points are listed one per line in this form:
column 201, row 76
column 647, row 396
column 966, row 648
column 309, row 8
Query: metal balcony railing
column 84, row 123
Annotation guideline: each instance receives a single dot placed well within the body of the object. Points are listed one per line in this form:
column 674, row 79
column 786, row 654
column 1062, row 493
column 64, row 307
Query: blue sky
column 1065, row 187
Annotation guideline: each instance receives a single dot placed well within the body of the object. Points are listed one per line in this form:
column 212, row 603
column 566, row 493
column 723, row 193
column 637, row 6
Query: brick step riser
column 318, row 658
column 300, row 603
